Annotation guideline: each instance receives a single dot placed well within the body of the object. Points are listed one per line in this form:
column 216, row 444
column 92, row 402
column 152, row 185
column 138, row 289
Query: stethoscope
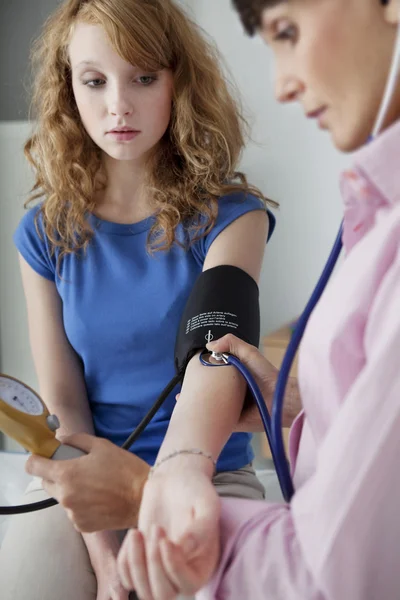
column 23, row 406
column 273, row 424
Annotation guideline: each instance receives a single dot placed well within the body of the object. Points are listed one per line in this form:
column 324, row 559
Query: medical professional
column 339, row 539
column 134, row 163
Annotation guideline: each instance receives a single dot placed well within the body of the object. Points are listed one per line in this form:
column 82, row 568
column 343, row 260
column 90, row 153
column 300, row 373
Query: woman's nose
column 120, row 105
column 288, row 89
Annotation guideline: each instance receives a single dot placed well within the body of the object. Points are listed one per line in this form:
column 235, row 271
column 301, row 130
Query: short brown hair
column 250, row 12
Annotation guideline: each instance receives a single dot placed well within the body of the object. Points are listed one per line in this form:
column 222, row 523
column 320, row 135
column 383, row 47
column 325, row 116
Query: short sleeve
column 230, row 208
column 34, row 248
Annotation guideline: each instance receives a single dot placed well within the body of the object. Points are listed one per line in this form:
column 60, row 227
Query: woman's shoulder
column 32, row 243
column 231, row 206
column 242, row 199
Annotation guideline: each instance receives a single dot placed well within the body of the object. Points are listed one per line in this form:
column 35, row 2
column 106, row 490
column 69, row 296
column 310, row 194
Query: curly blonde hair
column 195, row 162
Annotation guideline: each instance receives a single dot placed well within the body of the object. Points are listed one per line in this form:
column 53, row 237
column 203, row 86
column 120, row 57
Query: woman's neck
column 125, row 198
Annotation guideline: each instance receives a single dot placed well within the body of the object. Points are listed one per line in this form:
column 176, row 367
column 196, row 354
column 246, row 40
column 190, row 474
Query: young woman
column 339, row 538
column 136, row 144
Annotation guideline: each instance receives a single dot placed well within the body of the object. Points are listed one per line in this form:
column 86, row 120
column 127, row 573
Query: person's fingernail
column 211, row 345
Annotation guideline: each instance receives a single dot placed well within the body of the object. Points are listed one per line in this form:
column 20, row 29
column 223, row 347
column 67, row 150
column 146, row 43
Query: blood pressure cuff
column 224, row 300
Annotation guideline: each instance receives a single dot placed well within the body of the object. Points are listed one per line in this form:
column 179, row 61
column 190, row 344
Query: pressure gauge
column 17, row 395
column 24, row 417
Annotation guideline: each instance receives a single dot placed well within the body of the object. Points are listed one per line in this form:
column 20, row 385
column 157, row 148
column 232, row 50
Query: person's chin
column 348, row 141
column 123, row 154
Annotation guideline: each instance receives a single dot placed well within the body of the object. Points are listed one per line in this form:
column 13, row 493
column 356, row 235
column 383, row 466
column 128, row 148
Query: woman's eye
column 146, row 79
column 288, row 33
column 94, row 83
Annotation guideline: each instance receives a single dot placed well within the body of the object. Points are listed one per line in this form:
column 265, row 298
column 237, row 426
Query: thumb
column 234, row 345
column 249, row 355
column 82, row 441
column 204, row 525
column 201, row 532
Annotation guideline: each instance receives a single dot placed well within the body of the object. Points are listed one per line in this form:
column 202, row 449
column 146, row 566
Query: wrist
column 180, row 460
column 135, row 493
column 102, row 547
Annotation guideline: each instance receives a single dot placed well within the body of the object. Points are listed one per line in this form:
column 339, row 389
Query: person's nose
column 288, row 88
column 120, row 103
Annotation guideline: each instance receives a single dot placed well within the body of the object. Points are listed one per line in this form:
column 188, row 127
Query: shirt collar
column 373, row 183
column 380, row 161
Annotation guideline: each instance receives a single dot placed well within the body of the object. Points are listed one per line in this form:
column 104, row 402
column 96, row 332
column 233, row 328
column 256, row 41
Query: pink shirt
column 339, row 539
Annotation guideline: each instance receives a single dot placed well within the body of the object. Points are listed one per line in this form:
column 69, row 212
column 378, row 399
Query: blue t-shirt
column 121, row 309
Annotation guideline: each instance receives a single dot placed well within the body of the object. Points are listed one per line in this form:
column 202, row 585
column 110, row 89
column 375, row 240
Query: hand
column 99, row 491
column 169, row 570
column 266, row 376
column 103, row 550
column 177, row 546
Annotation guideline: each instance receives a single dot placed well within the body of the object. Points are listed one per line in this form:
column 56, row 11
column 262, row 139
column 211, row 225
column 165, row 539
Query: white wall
column 290, row 160
column 15, row 182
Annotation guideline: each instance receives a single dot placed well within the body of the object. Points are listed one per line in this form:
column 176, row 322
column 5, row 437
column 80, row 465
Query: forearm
column 77, row 419
column 208, row 409
column 102, row 546
column 70, row 405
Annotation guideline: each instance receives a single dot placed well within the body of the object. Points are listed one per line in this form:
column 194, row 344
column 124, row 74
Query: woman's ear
column 392, row 11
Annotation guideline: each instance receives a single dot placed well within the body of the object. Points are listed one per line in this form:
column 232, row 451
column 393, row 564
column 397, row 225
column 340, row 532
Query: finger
column 176, row 567
column 116, row 590
column 194, row 541
column 138, row 565
column 161, row 586
column 41, row 467
column 82, row 441
column 123, row 565
column 232, row 344
column 50, row 488
column 177, row 397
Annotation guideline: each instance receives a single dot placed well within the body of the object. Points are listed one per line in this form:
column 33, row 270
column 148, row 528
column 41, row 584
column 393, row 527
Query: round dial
column 16, row 394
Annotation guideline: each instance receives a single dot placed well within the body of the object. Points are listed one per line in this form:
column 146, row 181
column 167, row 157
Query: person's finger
column 162, row 587
column 248, row 355
column 138, row 565
column 82, row 441
column 42, row 467
column 177, row 397
column 116, row 590
column 176, row 567
column 123, row 565
column 233, row 345
column 50, row 488
column 195, row 540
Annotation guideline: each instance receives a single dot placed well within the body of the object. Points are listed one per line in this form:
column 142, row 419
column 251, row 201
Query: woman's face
column 334, row 56
column 125, row 110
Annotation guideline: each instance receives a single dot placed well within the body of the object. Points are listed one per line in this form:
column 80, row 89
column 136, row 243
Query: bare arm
column 59, row 372
column 58, row 369
column 212, row 399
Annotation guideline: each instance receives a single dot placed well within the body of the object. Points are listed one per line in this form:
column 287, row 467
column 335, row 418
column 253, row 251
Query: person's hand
column 266, row 376
column 101, row 490
column 103, row 552
column 177, row 546
column 103, row 548
column 109, row 586
column 169, row 570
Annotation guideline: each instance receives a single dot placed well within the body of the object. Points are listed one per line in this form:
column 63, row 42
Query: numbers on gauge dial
column 20, row 397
